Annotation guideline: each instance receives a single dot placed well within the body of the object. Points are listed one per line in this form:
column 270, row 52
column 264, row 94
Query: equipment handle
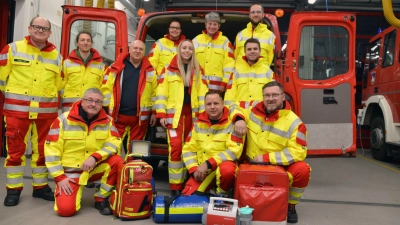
column 260, row 163
column 234, row 201
column 132, row 155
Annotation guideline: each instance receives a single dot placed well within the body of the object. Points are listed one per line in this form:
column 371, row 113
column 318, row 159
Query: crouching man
column 81, row 146
column 212, row 148
column 277, row 136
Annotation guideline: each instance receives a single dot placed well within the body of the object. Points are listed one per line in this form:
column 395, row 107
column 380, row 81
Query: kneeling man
column 81, row 146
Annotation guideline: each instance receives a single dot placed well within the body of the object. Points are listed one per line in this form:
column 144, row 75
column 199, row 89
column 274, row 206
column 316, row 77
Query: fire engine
column 381, row 95
column 315, row 65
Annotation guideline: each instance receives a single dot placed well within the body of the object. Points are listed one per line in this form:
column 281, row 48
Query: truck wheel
column 379, row 147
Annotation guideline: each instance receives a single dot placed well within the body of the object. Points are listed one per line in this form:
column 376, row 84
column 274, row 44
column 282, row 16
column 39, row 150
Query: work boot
column 103, row 207
column 12, row 197
column 175, row 192
column 291, row 214
column 43, row 193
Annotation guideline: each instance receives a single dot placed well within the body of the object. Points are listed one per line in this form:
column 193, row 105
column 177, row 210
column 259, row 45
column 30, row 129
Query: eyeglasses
column 273, row 96
column 174, row 28
column 91, row 101
column 37, row 27
column 256, row 12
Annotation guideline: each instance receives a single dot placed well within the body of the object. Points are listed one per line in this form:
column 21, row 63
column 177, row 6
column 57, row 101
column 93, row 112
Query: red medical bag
column 264, row 188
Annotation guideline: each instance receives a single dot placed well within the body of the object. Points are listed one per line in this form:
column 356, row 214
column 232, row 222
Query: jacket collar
column 48, row 48
column 75, row 58
column 203, row 117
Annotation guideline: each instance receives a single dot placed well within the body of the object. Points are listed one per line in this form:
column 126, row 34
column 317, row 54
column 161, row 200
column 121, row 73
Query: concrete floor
column 342, row 191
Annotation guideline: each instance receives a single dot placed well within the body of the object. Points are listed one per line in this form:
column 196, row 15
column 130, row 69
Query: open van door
column 107, row 26
column 320, row 79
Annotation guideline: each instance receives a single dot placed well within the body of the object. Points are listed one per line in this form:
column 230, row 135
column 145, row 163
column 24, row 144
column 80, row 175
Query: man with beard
column 256, row 29
column 277, row 136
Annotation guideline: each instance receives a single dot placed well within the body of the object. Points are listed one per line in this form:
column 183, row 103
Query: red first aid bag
column 266, row 189
column 133, row 195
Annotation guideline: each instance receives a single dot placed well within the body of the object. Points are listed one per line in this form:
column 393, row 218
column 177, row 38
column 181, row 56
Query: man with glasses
column 164, row 49
column 277, row 136
column 256, row 29
column 82, row 146
column 129, row 88
column 30, row 78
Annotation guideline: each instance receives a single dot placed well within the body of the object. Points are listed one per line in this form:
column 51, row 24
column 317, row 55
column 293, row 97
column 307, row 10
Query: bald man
column 129, row 87
column 30, row 78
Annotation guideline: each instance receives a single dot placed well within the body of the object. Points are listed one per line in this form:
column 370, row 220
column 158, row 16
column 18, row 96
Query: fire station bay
column 200, row 112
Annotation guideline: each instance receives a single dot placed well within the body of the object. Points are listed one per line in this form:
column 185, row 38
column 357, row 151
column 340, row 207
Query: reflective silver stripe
column 268, row 41
column 16, row 180
column 213, row 87
column 228, row 102
column 52, row 158
column 113, row 128
column 15, row 169
column 106, row 187
column 43, row 110
column 288, row 155
column 24, row 55
column 159, row 106
column 105, row 78
column 160, row 45
column 236, row 135
column 98, row 66
column 175, row 165
column 111, row 145
column 214, row 78
column 240, row 36
column 56, row 168
column 151, row 51
column 190, row 161
column 293, row 126
column 297, row 190
column 150, row 74
column 69, row 64
column 301, row 136
column 161, row 76
column 66, row 109
column 175, row 176
column 222, row 156
column 143, row 118
column 228, row 70
column 144, row 109
column 170, row 111
column 153, row 99
column 200, row 130
column 39, row 180
column 68, row 127
column 201, row 108
column 72, row 169
column 39, row 170
column 201, row 98
column 73, row 175
column 102, row 127
column 70, row 100
column 3, row 83
column 188, row 154
column 268, row 75
column 293, row 198
column 51, row 61
column 106, row 102
column 161, row 97
column 30, row 97
column 231, row 154
column 3, row 56
column 170, row 120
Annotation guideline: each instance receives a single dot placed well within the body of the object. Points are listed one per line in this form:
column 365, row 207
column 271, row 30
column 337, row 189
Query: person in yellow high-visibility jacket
column 83, row 69
column 214, row 53
column 212, row 148
column 277, row 136
column 256, row 29
column 165, row 49
column 180, row 98
column 30, row 78
column 82, row 146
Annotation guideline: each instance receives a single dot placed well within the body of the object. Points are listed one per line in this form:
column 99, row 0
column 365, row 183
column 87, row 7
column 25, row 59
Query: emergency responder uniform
column 78, row 77
column 282, row 139
column 263, row 35
column 70, row 142
column 246, row 83
column 217, row 144
column 30, row 79
column 133, row 126
column 163, row 51
column 179, row 115
column 215, row 56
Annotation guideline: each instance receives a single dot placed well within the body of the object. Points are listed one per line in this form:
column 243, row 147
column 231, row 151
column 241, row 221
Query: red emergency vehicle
column 381, row 94
column 315, row 66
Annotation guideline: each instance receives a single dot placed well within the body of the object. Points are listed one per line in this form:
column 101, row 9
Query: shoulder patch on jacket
column 54, row 131
column 301, row 137
column 4, row 55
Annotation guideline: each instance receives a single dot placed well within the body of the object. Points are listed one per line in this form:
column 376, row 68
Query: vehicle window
column 149, row 42
column 388, row 55
column 372, row 57
column 103, row 35
column 323, row 52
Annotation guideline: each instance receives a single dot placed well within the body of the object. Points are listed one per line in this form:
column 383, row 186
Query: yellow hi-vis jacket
column 78, row 77
column 215, row 56
column 30, row 79
column 112, row 88
column 246, row 82
column 263, row 35
column 163, row 51
column 281, row 136
column 70, row 142
column 213, row 143
column 170, row 94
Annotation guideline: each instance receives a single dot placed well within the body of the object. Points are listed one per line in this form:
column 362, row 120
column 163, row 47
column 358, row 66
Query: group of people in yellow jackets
column 181, row 83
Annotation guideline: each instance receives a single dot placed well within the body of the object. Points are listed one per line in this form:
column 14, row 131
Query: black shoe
column 175, row 192
column 103, row 207
column 292, row 215
column 44, row 193
column 12, row 197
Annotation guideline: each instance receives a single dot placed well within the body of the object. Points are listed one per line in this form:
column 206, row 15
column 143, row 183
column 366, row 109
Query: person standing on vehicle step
column 129, row 89
column 82, row 146
column 30, row 78
column 180, row 98
column 277, row 136
column 212, row 148
column 248, row 77
column 214, row 53
column 165, row 49
column 83, row 69
column 256, row 29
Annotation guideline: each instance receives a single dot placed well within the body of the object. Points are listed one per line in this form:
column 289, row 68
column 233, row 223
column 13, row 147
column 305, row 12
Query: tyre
column 379, row 147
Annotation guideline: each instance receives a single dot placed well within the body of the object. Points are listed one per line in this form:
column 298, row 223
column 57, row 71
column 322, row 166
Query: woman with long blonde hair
column 180, row 98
